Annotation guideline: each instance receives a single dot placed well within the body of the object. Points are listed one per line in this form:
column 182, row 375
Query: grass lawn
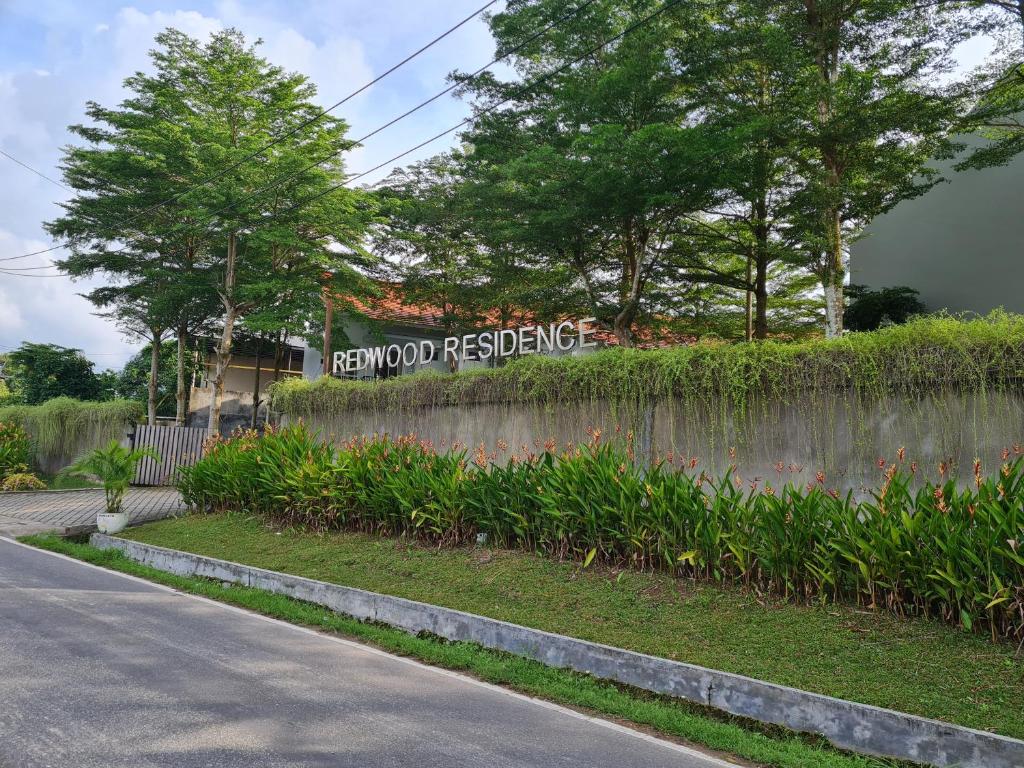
column 913, row 666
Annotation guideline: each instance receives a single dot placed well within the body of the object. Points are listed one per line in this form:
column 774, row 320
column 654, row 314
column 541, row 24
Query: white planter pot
column 112, row 523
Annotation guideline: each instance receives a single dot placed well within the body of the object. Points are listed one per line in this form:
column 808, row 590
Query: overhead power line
column 277, row 181
column 40, row 174
column 533, row 83
column 283, row 178
column 269, row 144
column 490, row 108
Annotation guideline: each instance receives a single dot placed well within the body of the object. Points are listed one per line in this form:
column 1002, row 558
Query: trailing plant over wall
column 63, row 428
column 918, row 358
column 940, row 551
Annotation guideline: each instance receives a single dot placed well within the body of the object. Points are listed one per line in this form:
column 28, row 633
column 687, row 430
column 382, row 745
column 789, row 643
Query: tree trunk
column 224, row 347
column 833, row 278
column 825, row 34
column 833, row 320
column 180, row 399
column 748, row 309
column 278, row 354
column 762, row 256
column 154, row 372
column 761, row 296
column 221, row 369
column 256, row 384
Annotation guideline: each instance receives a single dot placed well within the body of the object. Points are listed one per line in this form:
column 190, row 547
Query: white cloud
column 50, row 309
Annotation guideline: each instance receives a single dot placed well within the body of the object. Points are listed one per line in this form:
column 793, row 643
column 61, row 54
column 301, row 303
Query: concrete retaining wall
column 839, row 433
column 848, row 725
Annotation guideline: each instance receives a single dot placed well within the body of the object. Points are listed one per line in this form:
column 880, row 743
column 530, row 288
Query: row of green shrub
column 922, row 356
column 939, row 551
column 63, row 428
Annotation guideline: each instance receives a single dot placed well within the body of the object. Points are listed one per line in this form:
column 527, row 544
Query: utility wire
column 40, row 174
column 491, row 107
column 273, row 142
column 34, row 253
column 22, row 274
column 282, row 178
column 533, row 83
column 278, row 180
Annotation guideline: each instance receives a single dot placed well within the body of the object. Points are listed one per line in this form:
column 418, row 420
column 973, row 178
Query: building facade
column 960, row 245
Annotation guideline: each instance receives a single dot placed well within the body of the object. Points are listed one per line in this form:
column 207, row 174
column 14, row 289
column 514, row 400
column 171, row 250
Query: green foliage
column 998, row 116
column 15, row 449
column 62, row 427
column 133, row 381
column 920, row 357
column 22, row 481
column 114, row 466
column 939, row 551
column 40, row 372
column 869, row 310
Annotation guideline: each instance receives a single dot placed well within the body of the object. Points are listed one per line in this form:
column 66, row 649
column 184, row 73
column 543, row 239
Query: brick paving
column 39, row 511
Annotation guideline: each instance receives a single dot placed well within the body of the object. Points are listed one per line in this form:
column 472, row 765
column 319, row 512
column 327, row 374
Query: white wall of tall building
column 961, row 245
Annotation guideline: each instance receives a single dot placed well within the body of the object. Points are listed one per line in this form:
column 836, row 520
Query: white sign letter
column 559, row 339
column 584, row 331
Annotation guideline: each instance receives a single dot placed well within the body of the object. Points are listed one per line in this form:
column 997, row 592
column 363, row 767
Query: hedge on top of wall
column 919, row 358
column 63, row 428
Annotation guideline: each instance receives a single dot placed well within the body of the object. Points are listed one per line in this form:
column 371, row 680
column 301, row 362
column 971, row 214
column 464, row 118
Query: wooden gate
column 176, row 446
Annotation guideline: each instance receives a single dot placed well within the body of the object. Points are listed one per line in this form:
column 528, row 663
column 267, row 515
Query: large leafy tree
column 275, row 213
column 876, row 113
column 430, row 243
column 196, row 224
column 136, row 157
column 742, row 76
column 595, row 158
column 40, row 372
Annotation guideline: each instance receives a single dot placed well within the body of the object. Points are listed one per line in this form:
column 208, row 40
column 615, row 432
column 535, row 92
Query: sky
column 57, row 54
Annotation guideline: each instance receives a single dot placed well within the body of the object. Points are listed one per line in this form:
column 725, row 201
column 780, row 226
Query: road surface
column 100, row 670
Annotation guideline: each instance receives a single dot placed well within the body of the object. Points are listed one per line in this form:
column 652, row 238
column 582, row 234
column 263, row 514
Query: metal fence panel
column 176, row 446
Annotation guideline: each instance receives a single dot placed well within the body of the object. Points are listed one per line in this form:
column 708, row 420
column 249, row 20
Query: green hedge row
column 937, row 551
column 922, row 356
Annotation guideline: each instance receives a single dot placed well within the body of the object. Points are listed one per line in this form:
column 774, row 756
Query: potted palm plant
column 114, row 466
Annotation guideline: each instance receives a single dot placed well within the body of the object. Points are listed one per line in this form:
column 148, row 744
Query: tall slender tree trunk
column 256, row 383
column 154, row 371
column 227, row 334
column 833, row 277
column 762, row 255
column 180, row 399
column 748, row 308
column 761, row 297
column 825, row 34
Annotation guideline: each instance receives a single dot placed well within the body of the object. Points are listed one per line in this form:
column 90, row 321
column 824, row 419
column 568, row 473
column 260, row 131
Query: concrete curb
column 848, row 725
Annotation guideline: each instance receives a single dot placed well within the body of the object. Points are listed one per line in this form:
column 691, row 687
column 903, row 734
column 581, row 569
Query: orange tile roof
column 390, row 306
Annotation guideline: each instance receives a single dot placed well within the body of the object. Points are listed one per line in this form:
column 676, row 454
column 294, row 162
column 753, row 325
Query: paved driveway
column 100, row 670
column 63, row 511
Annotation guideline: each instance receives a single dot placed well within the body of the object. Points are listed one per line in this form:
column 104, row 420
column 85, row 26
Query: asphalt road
column 100, row 670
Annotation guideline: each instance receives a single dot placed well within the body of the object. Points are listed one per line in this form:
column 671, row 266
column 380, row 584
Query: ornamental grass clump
column 915, row 547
